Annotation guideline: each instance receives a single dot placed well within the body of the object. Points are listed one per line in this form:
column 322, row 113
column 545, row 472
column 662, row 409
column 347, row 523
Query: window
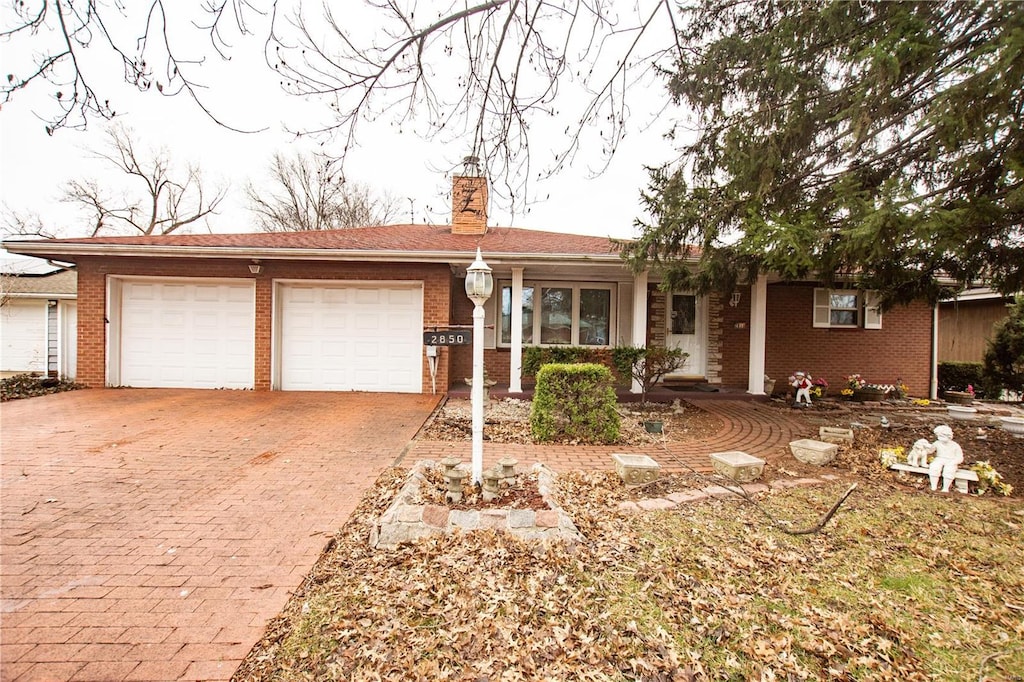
column 846, row 309
column 560, row 313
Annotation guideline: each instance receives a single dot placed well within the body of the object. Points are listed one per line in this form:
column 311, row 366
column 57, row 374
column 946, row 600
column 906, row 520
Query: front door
column 687, row 330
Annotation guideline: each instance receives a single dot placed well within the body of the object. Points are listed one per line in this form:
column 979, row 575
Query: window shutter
column 872, row 316
column 490, row 317
column 822, row 310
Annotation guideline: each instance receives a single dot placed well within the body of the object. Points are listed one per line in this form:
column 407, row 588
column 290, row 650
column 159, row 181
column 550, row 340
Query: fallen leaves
column 704, row 592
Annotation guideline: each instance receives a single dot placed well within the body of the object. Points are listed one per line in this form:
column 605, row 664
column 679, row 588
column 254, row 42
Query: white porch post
column 758, row 317
column 515, row 379
column 639, row 318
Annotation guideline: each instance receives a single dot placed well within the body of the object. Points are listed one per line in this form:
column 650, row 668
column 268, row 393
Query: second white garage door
column 350, row 337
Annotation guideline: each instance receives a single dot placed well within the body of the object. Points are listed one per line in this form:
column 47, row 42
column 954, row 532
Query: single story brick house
column 38, row 318
column 346, row 310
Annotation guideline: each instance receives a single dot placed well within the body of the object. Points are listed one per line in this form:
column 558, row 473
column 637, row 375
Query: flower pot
column 769, row 386
column 865, row 394
column 959, row 397
column 1014, row 425
column 961, row 412
column 653, row 426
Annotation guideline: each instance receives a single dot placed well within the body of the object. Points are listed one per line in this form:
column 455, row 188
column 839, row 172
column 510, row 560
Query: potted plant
column 819, row 387
column 960, row 397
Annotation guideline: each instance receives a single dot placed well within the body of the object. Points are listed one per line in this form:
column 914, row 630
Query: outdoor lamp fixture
column 255, row 267
column 479, row 286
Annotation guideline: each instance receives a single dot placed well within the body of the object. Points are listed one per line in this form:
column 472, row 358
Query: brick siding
column 900, row 349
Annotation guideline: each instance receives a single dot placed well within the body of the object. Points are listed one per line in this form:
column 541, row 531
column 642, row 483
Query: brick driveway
column 150, row 534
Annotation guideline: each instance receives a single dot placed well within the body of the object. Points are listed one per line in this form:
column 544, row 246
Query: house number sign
column 449, row 337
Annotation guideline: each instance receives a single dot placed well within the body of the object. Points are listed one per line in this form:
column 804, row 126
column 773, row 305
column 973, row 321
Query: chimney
column 469, row 199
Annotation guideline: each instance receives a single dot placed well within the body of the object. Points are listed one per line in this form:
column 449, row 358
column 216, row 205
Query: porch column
column 639, row 318
column 515, row 378
column 758, row 315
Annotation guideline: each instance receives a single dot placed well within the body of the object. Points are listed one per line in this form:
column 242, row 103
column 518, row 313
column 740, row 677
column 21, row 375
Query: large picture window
column 560, row 313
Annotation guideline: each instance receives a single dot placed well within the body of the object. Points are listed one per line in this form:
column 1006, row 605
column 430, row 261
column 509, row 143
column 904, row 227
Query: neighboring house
column 346, row 310
column 38, row 318
column 966, row 321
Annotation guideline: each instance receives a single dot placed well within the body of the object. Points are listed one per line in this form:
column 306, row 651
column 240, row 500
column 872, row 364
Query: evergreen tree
column 878, row 142
column 1004, row 357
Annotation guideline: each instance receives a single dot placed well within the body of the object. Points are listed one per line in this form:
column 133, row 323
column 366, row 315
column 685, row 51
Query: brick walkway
column 151, row 534
column 747, row 426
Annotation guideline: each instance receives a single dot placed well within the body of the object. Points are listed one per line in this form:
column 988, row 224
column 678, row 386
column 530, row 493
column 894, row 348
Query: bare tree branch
column 167, row 201
column 57, row 33
column 310, row 193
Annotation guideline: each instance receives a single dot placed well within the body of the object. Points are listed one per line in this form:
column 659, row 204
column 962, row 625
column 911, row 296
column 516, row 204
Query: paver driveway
column 150, row 534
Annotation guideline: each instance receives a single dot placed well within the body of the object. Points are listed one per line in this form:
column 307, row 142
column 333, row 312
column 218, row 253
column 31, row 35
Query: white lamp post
column 479, row 285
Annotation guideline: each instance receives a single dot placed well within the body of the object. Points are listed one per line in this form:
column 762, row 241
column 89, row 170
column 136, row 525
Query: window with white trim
column 846, row 309
column 561, row 313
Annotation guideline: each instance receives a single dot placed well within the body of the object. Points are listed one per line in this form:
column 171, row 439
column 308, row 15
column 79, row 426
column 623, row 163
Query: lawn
column 900, row 585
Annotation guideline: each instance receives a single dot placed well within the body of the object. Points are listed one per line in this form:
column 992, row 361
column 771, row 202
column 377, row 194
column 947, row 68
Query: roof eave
column 53, row 249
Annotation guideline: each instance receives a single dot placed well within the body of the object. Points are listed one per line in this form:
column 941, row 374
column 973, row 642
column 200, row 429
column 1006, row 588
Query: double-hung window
column 846, row 309
column 561, row 313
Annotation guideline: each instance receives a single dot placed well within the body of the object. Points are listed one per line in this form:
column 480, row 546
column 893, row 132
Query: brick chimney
column 469, row 199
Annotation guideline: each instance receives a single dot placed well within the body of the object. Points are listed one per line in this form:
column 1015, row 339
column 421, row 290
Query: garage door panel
column 350, row 337
column 187, row 335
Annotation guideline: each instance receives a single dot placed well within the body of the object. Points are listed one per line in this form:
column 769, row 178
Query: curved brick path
column 747, row 426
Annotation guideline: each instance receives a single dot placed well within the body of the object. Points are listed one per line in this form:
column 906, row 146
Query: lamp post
column 479, row 285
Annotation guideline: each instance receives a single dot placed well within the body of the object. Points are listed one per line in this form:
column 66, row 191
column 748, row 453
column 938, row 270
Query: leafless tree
column 308, row 192
column 16, row 223
column 163, row 198
column 478, row 77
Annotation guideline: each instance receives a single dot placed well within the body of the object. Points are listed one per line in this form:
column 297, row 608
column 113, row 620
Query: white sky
column 33, row 165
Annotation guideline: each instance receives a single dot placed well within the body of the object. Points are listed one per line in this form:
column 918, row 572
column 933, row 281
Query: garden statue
column 948, row 456
column 918, row 455
column 802, row 383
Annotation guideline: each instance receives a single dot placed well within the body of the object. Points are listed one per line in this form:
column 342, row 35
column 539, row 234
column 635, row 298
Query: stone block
column 687, row 496
column 737, row 466
column 547, row 519
column 635, row 469
column 409, row 513
column 461, row 518
column 832, row 434
column 755, row 488
column 656, row 503
column 521, row 518
column 435, row 515
column 628, row 507
column 814, row 452
column 496, row 519
column 720, row 491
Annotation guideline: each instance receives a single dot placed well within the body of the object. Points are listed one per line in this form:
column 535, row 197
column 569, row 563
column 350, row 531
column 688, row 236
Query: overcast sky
column 33, row 165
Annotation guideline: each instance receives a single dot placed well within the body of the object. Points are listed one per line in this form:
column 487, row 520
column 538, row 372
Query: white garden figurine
column 801, row 381
column 918, row 455
column 948, row 456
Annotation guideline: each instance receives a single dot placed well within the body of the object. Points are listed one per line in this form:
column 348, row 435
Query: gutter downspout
column 934, row 369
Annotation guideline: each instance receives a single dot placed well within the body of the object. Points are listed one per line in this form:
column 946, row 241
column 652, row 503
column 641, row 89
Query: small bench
column 960, row 480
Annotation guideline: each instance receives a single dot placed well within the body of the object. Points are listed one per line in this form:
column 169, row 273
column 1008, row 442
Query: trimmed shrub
column 574, row 401
column 535, row 357
column 957, row 376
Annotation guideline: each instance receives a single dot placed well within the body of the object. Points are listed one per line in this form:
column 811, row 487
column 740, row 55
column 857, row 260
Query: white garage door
column 178, row 334
column 351, row 337
column 23, row 336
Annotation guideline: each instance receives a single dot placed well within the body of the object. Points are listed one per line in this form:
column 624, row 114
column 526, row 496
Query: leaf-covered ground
column 902, row 585
column 31, row 385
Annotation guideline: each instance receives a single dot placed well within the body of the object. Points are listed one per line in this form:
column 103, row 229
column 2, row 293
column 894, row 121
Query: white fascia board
column 46, row 249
